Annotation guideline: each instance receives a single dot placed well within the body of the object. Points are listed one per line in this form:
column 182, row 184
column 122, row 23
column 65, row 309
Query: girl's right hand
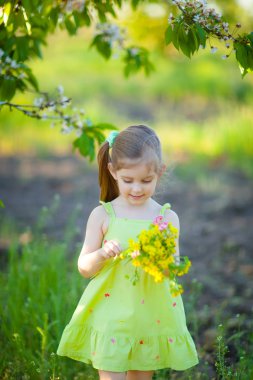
column 111, row 249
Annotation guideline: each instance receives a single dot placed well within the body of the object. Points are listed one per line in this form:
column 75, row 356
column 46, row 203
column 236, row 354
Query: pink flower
column 158, row 220
column 163, row 226
column 134, row 254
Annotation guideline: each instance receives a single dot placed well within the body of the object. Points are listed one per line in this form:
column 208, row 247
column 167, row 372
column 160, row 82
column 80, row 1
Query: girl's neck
column 122, row 202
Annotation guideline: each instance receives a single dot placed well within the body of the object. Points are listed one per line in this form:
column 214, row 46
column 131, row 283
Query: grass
column 37, row 302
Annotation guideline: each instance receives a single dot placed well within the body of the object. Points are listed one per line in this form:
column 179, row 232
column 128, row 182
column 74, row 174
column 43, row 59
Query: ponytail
column 108, row 185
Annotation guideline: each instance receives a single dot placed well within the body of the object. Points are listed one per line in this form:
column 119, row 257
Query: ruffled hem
column 106, row 351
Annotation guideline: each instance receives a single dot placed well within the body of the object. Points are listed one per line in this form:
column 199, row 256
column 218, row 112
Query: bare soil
column 214, row 205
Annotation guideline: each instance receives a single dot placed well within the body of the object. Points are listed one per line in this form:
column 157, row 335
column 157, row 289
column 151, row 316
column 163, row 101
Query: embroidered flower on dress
column 174, row 304
column 113, row 341
column 141, row 342
column 107, row 294
column 158, row 321
column 170, row 340
column 142, row 301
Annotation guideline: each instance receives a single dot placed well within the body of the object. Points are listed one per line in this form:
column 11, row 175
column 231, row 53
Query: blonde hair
column 133, row 143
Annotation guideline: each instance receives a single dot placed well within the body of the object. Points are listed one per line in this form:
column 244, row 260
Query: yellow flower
column 136, row 262
column 157, row 247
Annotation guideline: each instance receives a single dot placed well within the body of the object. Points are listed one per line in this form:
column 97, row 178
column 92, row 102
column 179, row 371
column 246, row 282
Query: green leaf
column 85, row 145
column 168, row 35
column 22, row 48
column 149, row 68
column 6, row 12
column 184, row 42
column 36, row 48
column 2, row 204
column 241, row 55
column 54, row 15
column 102, row 46
column 250, row 37
column 193, row 41
column 71, row 27
column 175, row 36
column 250, row 57
column 86, row 17
column 201, row 34
column 32, row 80
column 8, row 88
column 245, row 70
column 100, row 137
column 134, row 3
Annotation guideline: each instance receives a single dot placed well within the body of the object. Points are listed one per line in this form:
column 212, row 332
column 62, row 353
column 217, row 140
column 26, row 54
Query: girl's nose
column 137, row 188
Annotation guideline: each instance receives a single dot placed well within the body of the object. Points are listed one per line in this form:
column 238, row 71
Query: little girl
column 126, row 332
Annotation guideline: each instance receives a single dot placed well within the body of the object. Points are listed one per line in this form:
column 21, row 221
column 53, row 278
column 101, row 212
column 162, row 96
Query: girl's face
column 137, row 182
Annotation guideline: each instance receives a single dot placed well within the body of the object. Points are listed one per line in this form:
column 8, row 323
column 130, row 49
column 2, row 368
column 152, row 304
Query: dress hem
column 187, row 365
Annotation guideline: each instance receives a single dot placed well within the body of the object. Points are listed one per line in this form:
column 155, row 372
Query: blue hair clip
column 111, row 138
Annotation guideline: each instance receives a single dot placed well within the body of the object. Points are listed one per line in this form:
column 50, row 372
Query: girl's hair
column 137, row 142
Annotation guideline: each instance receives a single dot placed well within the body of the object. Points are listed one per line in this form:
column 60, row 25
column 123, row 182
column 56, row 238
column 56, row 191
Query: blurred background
column 202, row 111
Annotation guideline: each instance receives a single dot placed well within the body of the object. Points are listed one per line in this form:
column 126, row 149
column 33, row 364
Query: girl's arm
column 92, row 257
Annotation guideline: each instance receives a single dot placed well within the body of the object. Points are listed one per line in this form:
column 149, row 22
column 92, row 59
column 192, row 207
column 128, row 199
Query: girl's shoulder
column 98, row 214
column 99, row 217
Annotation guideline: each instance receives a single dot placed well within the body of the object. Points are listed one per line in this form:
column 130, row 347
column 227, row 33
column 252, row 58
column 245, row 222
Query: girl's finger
column 117, row 246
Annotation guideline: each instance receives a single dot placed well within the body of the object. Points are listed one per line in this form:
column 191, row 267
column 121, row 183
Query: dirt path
column 215, row 209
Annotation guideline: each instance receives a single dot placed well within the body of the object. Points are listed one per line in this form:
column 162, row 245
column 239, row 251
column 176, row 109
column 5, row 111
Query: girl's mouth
column 136, row 196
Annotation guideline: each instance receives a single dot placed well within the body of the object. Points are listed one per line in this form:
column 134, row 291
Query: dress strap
column 164, row 208
column 108, row 208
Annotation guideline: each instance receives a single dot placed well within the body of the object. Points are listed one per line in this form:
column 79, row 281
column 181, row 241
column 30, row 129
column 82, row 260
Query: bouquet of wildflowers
column 154, row 252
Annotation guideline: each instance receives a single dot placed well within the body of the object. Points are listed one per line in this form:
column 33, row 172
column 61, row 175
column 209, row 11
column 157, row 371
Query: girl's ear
column 112, row 171
column 162, row 170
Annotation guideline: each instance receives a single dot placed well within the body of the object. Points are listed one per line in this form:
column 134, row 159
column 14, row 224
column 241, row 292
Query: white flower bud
column 38, row 102
column 60, row 89
column 79, row 124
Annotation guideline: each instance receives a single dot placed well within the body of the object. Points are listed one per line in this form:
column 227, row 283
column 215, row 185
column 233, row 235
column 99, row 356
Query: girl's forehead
column 133, row 168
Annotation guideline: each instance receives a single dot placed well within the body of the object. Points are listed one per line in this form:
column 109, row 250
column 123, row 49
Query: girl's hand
column 111, row 249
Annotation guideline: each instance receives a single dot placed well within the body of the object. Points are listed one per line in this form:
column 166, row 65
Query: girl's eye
column 131, row 181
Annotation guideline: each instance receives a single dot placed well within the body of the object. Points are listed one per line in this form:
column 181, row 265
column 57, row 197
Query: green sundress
column 118, row 326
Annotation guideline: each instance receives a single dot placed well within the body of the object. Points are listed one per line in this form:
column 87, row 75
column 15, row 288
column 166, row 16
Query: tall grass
column 40, row 287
